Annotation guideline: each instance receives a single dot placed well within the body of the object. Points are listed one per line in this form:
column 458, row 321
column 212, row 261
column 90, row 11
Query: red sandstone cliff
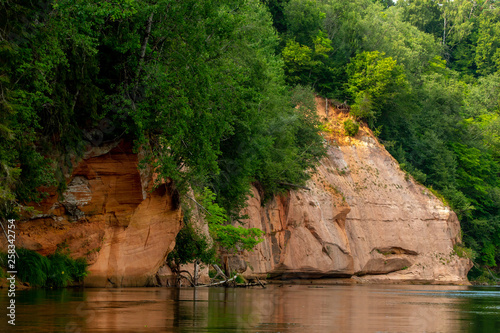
column 108, row 215
column 362, row 217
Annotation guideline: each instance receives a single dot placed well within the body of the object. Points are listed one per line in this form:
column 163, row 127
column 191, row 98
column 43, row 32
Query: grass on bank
column 54, row 271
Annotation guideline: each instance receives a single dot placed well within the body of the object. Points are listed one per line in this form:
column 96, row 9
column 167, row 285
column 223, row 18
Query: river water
column 286, row 308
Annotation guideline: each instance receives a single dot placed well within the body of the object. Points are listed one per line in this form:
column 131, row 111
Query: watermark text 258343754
column 11, row 271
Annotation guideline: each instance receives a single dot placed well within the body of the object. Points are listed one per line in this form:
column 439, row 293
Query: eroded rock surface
column 109, row 215
column 362, row 217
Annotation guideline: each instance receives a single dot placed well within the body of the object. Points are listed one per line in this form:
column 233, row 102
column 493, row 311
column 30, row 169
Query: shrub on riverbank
column 54, row 271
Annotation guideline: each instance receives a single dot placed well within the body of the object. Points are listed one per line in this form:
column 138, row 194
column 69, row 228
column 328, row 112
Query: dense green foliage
column 351, row 127
column 228, row 237
column 55, row 271
column 191, row 244
column 425, row 74
column 197, row 85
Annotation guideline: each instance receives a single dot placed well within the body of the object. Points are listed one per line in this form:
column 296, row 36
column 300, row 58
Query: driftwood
column 218, row 283
column 342, row 106
column 193, row 280
column 190, row 278
column 250, row 284
column 261, row 284
column 219, row 272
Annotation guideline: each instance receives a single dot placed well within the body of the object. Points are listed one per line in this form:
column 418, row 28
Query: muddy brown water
column 287, row 308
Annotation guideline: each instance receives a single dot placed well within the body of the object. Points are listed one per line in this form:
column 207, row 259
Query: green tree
column 488, row 42
column 226, row 236
column 303, row 64
column 374, row 77
column 276, row 8
column 426, row 15
column 197, row 85
column 304, row 19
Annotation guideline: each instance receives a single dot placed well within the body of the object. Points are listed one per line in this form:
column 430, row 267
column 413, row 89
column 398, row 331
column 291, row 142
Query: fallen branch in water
column 217, row 283
column 262, row 285
column 219, row 272
column 190, row 278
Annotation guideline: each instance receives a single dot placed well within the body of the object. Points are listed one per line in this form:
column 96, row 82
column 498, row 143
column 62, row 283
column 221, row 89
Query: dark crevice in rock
column 394, row 250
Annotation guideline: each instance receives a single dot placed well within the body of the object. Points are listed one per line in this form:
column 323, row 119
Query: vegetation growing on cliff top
column 208, row 89
column 425, row 72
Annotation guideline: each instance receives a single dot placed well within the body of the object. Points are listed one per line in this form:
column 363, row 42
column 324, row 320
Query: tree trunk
column 195, row 277
column 143, row 54
column 444, row 31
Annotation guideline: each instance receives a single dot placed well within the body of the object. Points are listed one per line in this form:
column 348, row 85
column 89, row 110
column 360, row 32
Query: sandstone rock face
column 305, row 235
column 109, row 215
column 362, row 217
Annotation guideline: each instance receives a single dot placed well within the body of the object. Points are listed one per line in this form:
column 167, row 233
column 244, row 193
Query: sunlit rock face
column 361, row 217
column 109, row 215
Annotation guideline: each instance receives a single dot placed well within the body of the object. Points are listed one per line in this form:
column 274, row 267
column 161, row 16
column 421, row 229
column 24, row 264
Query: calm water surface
column 289, row 308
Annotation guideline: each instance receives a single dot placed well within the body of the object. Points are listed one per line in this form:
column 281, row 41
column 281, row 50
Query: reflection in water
column 288, row 308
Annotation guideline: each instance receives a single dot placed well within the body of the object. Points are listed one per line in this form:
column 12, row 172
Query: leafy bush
column 32, row 267
column 464, row 252
column 351, row 127
column 54, row 271
column 362, row 107
column 190, row 245
column 227, row 236
column 240, row 279
column 58, row 275
column 65, row 270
